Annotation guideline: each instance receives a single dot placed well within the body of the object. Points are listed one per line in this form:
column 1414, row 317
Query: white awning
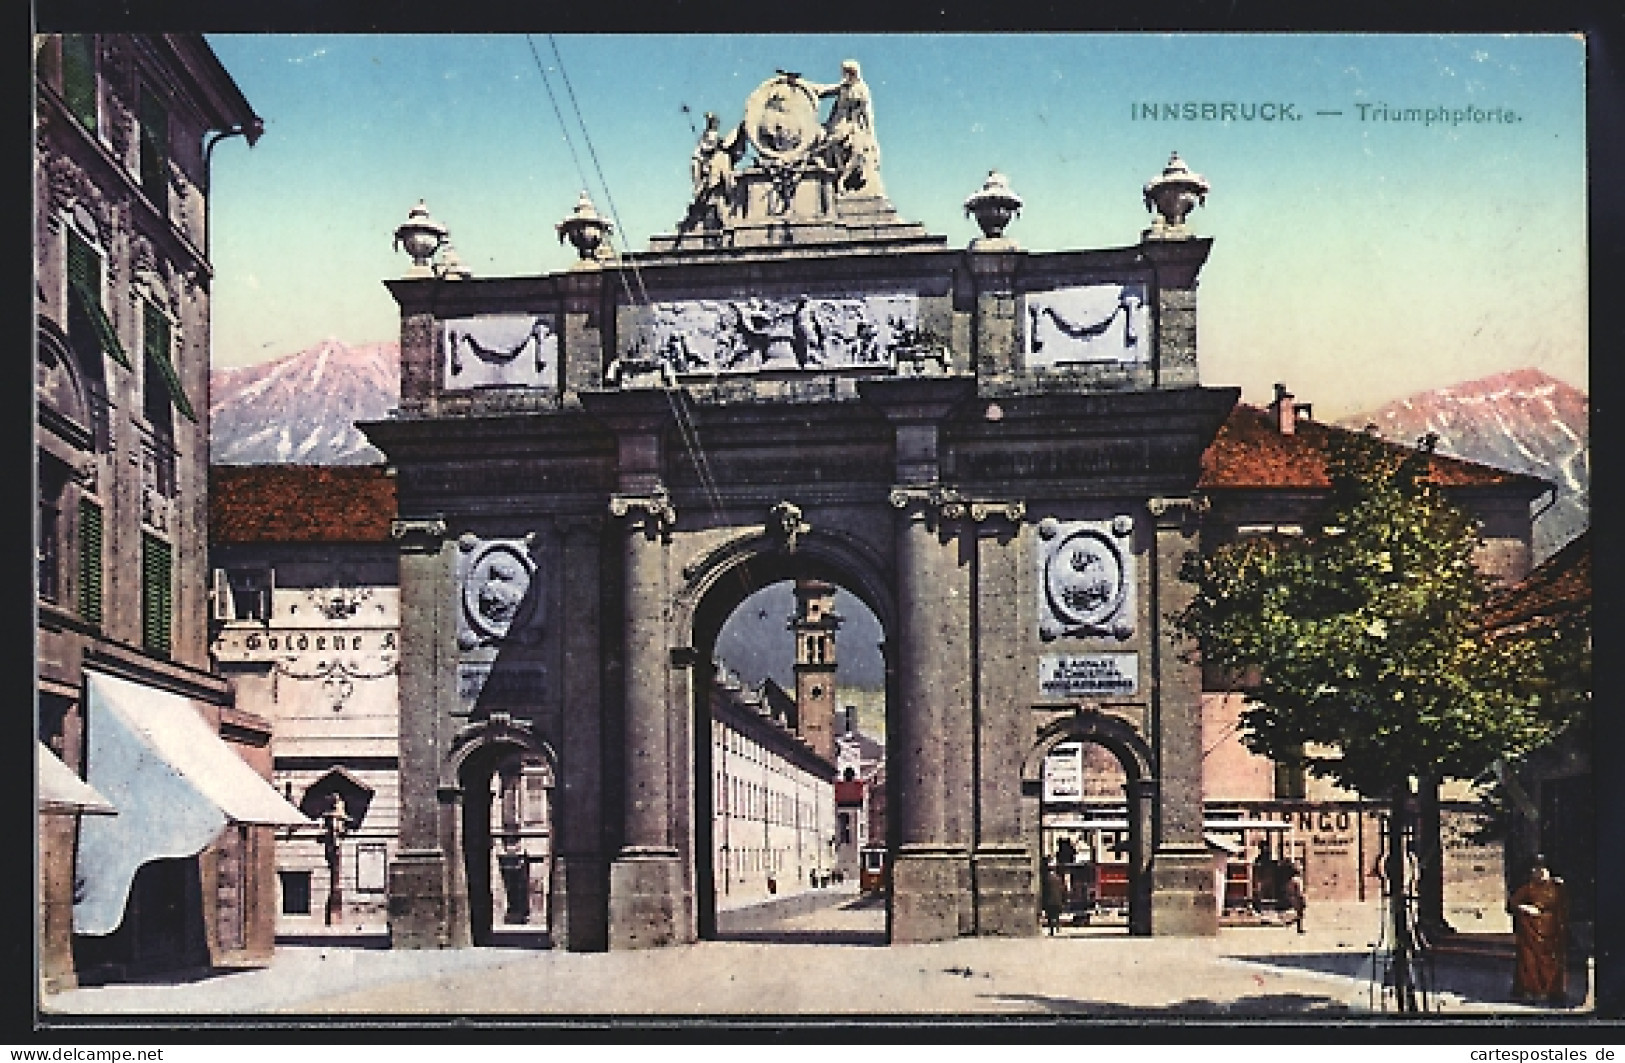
column 61, row 791
column 175, row 783
column 1224, row 845
column 1062, row 822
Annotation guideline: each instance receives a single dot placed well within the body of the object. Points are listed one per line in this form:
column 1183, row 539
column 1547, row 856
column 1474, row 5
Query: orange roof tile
column 300, row 503
column 1249, row 452
column 1557, row 587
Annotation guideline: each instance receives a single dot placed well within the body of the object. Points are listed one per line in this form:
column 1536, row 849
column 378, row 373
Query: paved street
column 833, row 961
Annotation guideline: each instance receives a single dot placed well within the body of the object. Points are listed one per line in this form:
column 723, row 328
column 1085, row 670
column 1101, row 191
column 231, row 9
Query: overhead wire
column 687, row 430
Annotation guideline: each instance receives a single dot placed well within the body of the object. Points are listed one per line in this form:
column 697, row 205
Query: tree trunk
column 1430, row 853
column 1399, row 968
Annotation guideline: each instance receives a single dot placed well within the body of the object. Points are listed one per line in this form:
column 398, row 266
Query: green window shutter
column 79, row 77
column 156, row 594
column 154, row 120
column 90, row 562
column 85, row 286
column 155, row 336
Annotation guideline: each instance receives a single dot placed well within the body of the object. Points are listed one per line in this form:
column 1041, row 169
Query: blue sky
column 1358, row 261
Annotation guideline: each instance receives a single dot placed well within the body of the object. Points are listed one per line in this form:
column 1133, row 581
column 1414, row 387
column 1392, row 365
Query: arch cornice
column 1090, row 723
column 499, row 730
column 828, row 547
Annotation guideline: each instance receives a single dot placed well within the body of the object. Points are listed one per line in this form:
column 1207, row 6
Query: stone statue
column 711, row 169
column 849, row 143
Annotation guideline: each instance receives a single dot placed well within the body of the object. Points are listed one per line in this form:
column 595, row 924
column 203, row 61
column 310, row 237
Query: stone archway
column 1124, row 742
column 713, row 588
column 502, row 752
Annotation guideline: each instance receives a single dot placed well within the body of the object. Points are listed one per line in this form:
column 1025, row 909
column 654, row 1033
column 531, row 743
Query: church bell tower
column 814, row 625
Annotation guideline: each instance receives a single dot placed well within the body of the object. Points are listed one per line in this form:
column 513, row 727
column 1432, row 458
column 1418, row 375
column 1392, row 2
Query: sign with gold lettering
column 1089, row 675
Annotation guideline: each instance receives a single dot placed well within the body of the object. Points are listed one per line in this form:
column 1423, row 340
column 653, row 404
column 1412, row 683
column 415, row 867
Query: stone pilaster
column 997, row 345
column 645, row 906
column 581, row 870
column 419, row 886
column 1183, row 904
column 932, row 784
column 1002, row 858
column 1177, row 263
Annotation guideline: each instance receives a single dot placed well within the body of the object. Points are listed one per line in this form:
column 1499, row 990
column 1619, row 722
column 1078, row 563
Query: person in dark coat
column 1540, row 920
column 1294, row 897
column 1054, row 895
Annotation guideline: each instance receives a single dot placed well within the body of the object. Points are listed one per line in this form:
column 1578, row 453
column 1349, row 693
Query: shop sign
column 1089, row 675
column 1063, row 773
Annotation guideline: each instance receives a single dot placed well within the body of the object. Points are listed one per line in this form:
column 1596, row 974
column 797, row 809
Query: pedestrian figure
column 1054, row 891
column 1263, row 878
column 1540, row 920
column 1294, row 895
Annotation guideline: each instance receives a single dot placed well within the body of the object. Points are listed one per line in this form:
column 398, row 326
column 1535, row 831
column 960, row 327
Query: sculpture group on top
column 782, row 137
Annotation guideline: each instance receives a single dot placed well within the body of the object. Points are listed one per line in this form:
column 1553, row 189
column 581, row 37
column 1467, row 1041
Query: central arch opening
column 790, row 709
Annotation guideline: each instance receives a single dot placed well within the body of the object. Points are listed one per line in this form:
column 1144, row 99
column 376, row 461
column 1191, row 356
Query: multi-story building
column 773, row 798
column 1551, row 809
column 1265, row 473
column 125, row 125
column 307, row 618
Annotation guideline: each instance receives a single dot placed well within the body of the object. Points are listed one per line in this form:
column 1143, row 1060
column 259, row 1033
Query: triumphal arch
column 994, row 449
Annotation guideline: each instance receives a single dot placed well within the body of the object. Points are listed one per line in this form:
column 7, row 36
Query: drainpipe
column 250, row 131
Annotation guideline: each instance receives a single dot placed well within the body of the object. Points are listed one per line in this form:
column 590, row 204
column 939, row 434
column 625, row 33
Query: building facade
column 1265, row 473
column 774, row 800
column 124, row 125
column 306, row 629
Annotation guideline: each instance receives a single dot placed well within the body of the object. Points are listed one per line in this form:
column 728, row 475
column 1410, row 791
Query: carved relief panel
column 498, row 595
column 500, row 351
column 1086, row 578
column 1087, row 323
column 494, row 579
column 798, row 332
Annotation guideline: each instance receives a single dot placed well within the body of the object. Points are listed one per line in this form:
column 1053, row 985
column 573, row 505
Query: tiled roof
column 1250, row 452
column 1559, row 586
column 300, row 504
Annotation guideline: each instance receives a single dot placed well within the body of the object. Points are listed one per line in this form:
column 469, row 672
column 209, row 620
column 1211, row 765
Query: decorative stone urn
column 586, row 229
column 1173, row 196
column 420, row 236
column 993, row 206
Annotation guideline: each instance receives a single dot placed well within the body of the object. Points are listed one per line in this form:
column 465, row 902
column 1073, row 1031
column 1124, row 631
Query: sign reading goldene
column 1088, row 674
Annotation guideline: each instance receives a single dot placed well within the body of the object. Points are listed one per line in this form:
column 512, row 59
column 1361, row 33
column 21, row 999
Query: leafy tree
column 1365, row 646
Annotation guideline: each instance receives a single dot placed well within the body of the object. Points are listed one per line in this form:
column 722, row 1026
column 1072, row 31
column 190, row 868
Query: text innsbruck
column 1274, row 111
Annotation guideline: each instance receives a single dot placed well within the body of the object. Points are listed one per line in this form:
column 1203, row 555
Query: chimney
column 1282, row 410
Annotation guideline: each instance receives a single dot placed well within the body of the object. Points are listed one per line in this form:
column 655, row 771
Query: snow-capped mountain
column 302, row 408
column 1523, row 420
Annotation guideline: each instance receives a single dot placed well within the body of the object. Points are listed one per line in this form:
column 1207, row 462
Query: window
column 249, row 592
column 295, row 892
column 154, row 118
column 157, row 600
column 90, row 562
column 1290, row 781
column 53, row 476
column 79, row 77
column 89, row 331
column 46, row 554
column 160, row 384
column 154, row 389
